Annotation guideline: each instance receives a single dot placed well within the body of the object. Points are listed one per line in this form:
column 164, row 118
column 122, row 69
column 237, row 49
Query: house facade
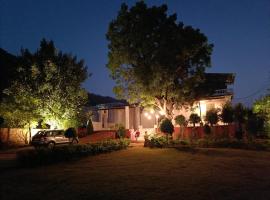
column 133, row 117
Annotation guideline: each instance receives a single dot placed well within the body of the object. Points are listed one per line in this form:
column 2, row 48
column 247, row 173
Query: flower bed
column 32, row 157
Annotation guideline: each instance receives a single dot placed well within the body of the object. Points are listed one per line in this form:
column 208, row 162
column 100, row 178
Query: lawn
column 143, row 173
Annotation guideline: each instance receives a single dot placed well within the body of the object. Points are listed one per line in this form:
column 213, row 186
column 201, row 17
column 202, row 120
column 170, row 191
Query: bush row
column 162, row 142
column 32, row 157
column 230, row 143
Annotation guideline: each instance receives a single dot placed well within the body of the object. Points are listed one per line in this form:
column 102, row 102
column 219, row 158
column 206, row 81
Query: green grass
column 144, row 173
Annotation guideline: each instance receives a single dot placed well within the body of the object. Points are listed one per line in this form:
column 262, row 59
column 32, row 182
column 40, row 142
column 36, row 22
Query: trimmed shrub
column 89, row 127
column 32, row 157
column 71, row 133
column 194, row 119
column 180, row 120
column 166, row 126
column 120, row 130
column 158, row 142
column 236, row 144
column 212, row 116
column 227, row 114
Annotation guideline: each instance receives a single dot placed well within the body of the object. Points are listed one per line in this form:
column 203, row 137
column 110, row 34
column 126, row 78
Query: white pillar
column 127, row 117
column 137, row 117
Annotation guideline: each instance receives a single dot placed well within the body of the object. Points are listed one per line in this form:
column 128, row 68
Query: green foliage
column 157, row 141
column 18, row 110
column 31, row 157
column 262, row 108
column 228, row 143
column 120, row 130
column 254, row 123
column 240, row 113
column 227, row 113
column 47, row 86
column 240, row 118
column 180, row 120
column 71, row 133
column 166, row 126
column 154, row 59
column 194, row 119
column 212, row 116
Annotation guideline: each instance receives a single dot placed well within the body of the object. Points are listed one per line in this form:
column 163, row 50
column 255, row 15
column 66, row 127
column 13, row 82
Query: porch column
column 137, row 117
column 127, row 117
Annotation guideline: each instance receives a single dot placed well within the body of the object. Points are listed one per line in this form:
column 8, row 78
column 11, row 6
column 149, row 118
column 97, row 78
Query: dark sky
column 239, row 29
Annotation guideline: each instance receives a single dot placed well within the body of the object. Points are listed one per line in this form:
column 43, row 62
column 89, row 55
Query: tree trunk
column 182, row 129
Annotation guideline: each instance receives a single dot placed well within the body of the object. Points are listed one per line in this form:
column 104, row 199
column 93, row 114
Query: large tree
column 154, row 59
column 48, row 87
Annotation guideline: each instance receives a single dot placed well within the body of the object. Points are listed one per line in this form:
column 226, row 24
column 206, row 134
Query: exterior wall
column 218, row 131
column 16, row 136
column 148, row 122
column 134, row 118
column 202, row 107
column 107, row 118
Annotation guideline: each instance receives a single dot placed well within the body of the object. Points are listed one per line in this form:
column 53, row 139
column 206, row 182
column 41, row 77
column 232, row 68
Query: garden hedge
column 44, row 156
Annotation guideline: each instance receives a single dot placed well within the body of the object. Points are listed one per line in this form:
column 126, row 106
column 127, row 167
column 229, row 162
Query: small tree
column 207, row 129
column 120, row 130
column 166, row 127
column 227, row 114
column 254, row 123
column 181, row 121
column 212, row 116
column 239, row 117
column 71, row 133
column 194, row 119
column 89, row 127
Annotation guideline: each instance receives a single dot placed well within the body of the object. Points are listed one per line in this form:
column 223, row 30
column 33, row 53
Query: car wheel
column 51, row 145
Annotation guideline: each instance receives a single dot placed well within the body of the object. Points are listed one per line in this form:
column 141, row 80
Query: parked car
column 50, row 138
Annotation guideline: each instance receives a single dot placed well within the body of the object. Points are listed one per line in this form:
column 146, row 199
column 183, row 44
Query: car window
column 58, row 133
column 49, row 134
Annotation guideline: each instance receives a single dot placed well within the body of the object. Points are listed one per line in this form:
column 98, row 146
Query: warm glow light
column 149, row 117
column 146, row 114
column 152, row 111
column 157, row 116
column 203, row 109
column 161, row 112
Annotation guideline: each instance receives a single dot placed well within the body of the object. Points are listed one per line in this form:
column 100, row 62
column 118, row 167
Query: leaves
column 48, row 86
column 155, row 59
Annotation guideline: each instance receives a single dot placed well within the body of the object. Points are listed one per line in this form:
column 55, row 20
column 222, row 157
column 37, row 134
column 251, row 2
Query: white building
column 106, row 116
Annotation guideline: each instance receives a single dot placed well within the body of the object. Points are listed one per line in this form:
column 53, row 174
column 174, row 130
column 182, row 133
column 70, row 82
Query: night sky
column 239, row 30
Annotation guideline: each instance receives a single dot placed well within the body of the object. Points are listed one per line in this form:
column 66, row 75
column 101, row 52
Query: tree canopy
column 262, row 108
column 47, row 86
column 154, row 59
